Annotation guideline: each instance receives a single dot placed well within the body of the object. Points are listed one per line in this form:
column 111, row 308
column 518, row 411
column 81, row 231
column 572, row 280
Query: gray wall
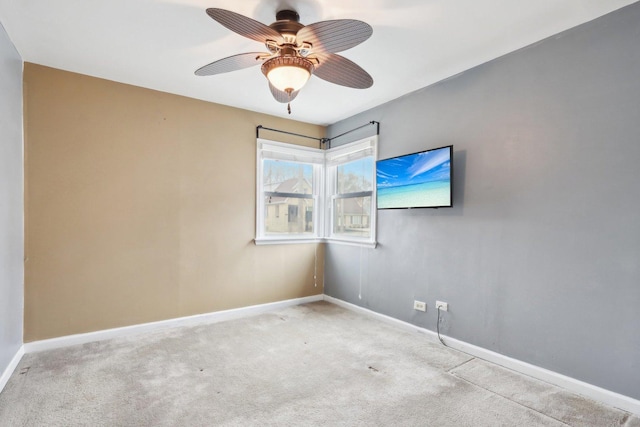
column 11, row 202
column 540, row 257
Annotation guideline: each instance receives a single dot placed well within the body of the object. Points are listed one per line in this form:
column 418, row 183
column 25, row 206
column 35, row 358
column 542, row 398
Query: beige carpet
column 316, row 364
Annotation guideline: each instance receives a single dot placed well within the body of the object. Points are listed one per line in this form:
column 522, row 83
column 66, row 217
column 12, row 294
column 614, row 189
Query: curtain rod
column 373, row 122
column 284, row 131
column 320, row 140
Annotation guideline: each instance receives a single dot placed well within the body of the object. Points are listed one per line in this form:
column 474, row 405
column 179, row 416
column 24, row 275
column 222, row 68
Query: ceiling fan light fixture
column 288, row 73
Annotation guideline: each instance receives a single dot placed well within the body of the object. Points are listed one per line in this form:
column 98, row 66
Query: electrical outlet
column 442, row 306
column 419, row 305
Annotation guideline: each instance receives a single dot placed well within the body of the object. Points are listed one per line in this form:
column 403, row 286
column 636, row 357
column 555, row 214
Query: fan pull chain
column 289, row 92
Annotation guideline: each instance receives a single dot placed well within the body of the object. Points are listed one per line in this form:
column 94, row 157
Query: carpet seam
column 461, row 364
column 509, row 399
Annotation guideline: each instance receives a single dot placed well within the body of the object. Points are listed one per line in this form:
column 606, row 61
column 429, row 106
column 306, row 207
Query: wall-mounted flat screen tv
column 418, row 180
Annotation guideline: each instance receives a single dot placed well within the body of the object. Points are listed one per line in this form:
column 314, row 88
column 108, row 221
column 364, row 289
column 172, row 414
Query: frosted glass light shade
column 288, row 78
column 288, row 73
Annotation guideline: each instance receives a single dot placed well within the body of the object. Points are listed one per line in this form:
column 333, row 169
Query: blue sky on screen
column 416, row 168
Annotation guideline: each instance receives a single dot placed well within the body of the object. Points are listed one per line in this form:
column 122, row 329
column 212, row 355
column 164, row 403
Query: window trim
column 343, row 154
column 273, row 150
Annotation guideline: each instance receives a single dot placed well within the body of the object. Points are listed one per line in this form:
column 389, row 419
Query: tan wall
column 140, row 206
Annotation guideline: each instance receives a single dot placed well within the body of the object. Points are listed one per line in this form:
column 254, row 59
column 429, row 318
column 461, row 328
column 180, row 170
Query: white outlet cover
column 442, row 305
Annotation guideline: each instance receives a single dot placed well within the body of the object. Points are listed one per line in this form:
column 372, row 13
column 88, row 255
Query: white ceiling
column 158, row 44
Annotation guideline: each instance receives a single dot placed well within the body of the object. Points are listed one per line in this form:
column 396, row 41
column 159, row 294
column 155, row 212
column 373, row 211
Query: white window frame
column 334, row 158
column 272, row 150
column 325, row 169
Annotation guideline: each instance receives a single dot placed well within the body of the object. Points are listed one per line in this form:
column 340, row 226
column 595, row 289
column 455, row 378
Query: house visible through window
column 307, row 194
column 287, row 186
column 352, row 198
column 289, row 182
column 350, row 171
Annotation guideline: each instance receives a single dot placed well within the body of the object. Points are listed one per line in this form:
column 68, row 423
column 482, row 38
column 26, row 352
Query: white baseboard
column 199, row 319
column 580, row 387
column 6, row 374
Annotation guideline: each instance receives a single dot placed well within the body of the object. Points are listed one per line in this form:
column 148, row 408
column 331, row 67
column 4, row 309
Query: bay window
column 306, row 194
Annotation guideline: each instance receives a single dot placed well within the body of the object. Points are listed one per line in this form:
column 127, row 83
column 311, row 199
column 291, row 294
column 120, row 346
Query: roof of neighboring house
column 291, row 185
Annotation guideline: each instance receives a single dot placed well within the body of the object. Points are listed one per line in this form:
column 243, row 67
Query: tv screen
column 418, row 180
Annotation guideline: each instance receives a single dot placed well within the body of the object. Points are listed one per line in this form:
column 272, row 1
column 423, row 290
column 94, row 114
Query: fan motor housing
column 287, row 15
column 287, row 22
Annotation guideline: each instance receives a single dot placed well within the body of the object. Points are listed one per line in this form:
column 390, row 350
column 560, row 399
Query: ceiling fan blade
column 335, row 35
column 341, row 71
column 231, row 63
column 281, row 96
column 244, row 26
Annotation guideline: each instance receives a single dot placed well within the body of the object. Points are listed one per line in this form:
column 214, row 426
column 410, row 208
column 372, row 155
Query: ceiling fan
column 295, row 51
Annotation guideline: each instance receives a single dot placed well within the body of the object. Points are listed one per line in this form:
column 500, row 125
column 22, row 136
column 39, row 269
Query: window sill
column 261, row 242
column 361, row 243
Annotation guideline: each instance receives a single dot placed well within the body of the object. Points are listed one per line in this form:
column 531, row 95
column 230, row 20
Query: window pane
column 287, row 177
column 288, row 215
column 352, row 216
column 354, row 177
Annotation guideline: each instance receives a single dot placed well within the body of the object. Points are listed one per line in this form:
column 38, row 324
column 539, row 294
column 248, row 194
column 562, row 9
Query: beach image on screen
column 415, row 180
